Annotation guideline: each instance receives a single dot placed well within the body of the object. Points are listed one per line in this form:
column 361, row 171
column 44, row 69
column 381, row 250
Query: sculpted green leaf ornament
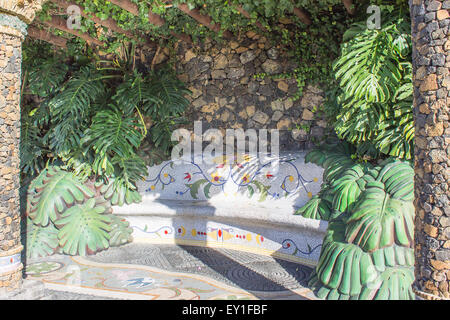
column 58, row 189
column 40, row 241
column 84, row 228
column 75, row 217
column 367, row 252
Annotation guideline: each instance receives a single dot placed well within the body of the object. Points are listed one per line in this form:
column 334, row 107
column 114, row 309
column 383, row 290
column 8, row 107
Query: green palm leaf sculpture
column 349, row 186
column 40, row 241
column 58, row 190
column 120, row 232
column 117, row 193
column 379, row 220
column 316, row 208
column 84, row 228
column 368, row 249
column 75, row 217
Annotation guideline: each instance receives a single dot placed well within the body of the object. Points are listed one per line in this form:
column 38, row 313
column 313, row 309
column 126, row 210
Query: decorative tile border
column 9, row 263
column 293, row 245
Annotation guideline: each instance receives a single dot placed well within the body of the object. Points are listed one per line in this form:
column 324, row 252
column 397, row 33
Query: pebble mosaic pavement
column 165, row 272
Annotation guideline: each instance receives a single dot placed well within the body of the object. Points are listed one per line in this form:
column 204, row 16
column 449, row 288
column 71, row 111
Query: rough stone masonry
column 10, row 66
column 14, row 17
column 431, row 62
column 228, row 93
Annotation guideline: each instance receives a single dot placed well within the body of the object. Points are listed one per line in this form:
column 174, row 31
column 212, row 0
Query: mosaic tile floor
column 151, row 272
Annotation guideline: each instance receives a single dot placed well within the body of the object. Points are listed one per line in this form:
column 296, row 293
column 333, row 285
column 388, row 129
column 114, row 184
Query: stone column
column 431, row 62
column 14, row 16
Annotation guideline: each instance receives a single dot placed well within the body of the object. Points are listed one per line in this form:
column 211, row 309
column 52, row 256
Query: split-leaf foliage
column 368, row 249
column 82, row 131
column 371, row 105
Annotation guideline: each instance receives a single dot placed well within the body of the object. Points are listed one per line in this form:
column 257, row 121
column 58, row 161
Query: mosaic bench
column 245, row 205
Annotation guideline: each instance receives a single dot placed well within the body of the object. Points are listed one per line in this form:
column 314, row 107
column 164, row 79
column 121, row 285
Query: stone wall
column 431, row 60
column 227, row 94
column 10, row 247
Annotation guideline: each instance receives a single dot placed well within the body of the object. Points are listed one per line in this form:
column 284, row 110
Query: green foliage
column 82, row 130
column 56, row 191
column 71, row 107
column 313, row 48
column 346, row 272
column 40, row 241
column 112, row 135
column 65, row 213
column 316, row 208
column 32, row 146
column 367, row 252
column 372, row 105
column 93, row 122
column 84, row 228
column 120, row 232
column 116, row 192
column 46, row 76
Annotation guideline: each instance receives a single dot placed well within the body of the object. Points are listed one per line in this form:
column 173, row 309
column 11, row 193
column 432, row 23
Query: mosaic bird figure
column 141, row 282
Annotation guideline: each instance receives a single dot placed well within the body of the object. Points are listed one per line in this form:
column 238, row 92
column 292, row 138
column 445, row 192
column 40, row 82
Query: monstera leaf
column 84, row 228
column 117, row 193
column 56, row 190
column 335, row 165
column 343, row 266
column 316, row 208
column 334, row 158
column 344, row 271
column 349, row 186
column 393, row 256
column 379, row 220
column 316, row 156
column 398, row 177
column 40, row 241
column 120, row 232
column 367, row 252
column 392, row 284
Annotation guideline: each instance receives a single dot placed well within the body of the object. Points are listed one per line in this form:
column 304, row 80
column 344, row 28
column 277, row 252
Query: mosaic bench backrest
column 285, row 179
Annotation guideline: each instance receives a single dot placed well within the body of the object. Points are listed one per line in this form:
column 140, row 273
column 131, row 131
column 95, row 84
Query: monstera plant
column 368, row 249
column 371, row 103
column 68, row 215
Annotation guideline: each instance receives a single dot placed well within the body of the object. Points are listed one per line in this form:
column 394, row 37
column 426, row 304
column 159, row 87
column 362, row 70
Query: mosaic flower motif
column 246, row 178
column 215, row 177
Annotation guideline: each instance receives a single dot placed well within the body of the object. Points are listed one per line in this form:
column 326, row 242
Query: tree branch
column 203, row 19
column 247, row 15
column 153, row 18
column 38, row 34
column 303, row 16
column 349, row 6
column 61, row 24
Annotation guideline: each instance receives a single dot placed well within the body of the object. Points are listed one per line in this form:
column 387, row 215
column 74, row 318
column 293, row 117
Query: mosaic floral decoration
column 244, row 175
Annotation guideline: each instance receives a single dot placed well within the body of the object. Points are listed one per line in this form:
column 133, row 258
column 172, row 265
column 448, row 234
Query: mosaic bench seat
column 246, row 205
